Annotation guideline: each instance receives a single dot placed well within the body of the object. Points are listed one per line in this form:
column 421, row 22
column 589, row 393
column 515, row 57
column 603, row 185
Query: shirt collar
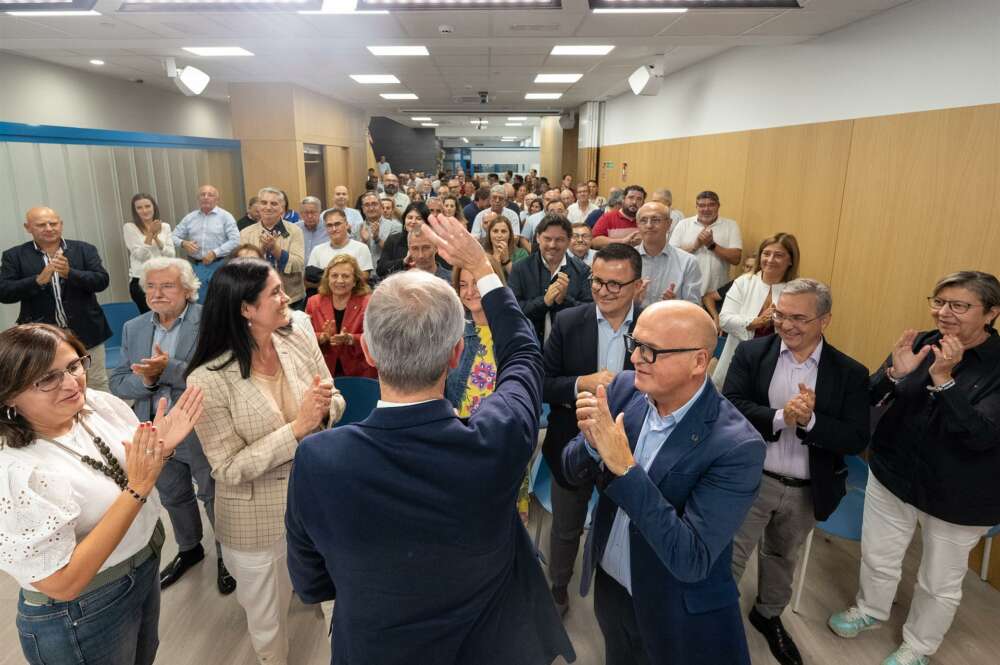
column 280, row 227
column 156, row 317
column 814, row 356
column 62, row 245
column 628, row 317
column 213, row 211
column 382, row 404
column 664, row 252
column 659, row 423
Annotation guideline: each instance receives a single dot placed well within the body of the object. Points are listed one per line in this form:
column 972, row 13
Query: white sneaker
column 905, row 655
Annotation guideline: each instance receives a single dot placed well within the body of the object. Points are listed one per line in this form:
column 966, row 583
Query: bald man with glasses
column 677, row 468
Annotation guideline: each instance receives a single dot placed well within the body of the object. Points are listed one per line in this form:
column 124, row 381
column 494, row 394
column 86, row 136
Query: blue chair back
column 540, row 483
column 117, row 314
column 361, row 395
column 846, row 521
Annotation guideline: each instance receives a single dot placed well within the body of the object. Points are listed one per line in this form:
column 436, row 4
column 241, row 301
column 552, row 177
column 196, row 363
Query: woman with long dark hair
column 266, row 388
column 80, row 523
column 146, row 237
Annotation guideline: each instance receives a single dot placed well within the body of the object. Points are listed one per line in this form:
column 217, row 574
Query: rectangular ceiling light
column 187, row 6
column 543, row 95
column 372, row 79
column 680, row 6
column 217, row 51
column 451, row 5
column 479, row 122
column 558, row 78
column 517, row 118
column 398, row 50
column 429, row 124
column 340, row 7
column 582, row 49
column 421, row 119
column 513, row 124
column 398, row 95
column 465, row 140
column 44, row 13
column 49, row 7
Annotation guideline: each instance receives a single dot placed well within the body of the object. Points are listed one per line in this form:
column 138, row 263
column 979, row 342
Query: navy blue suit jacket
column 684, row 513
column 408, row 518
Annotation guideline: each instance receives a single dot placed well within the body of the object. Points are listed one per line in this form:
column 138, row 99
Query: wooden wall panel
column 917, row 203
column 222, row 169
column 570, row 139
column 336, row 164
column 586, row 164
column 274, row 163
column 551, row 149
column 795, row 183
column 719, row 163
column 654, row 165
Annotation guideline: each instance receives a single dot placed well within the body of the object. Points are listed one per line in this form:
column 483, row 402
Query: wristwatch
column 711, row 246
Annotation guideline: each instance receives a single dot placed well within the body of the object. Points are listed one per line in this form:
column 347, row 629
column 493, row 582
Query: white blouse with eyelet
column 50, row 500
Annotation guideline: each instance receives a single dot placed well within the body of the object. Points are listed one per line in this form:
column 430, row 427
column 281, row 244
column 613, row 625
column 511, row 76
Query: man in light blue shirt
column 207, row 235
column 342, row 199
column 313, row 233
column 677, row 467
column 668, row 272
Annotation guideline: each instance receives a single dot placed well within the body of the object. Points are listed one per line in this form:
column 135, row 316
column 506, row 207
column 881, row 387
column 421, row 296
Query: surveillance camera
column 484, row 96
column 446, row 29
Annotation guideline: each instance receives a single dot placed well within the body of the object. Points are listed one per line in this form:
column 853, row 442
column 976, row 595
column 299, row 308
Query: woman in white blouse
column 747, row 311
column 145, row 237
column 79, row 516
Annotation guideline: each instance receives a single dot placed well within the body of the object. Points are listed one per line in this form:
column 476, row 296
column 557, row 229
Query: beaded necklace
column 109, row 467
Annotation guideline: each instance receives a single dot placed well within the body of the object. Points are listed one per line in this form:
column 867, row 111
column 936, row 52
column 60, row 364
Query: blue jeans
column 115, row 624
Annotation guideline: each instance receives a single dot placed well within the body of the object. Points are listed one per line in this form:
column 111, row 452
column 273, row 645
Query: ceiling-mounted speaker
column 647, row 80
column 567, row 120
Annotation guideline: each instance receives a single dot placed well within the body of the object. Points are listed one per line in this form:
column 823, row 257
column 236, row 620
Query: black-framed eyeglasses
column 957, row 306
column 612, row 286
column 54, row 379
column 796, row 319
column 648, row 353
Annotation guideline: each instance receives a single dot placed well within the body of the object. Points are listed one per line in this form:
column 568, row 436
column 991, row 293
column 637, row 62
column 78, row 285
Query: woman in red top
column 338, row 314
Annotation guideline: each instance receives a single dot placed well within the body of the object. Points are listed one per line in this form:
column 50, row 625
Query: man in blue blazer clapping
column 408, row 518
column 678, row 468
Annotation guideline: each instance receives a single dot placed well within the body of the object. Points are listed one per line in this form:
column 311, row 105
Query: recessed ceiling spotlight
column 558, row 78
column 575, row 49
column 398, row 50
column 372, row 79
column 217, row 51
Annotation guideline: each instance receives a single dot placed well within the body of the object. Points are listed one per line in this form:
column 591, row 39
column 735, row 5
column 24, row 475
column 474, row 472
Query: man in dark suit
column 408, row 518
column 550, row 279
column 586, row 348
column 156, row 347
column 57, row 281
column 677, row 467
column 809, row 401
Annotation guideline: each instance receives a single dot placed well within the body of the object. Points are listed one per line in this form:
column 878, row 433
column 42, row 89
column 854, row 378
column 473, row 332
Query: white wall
column 41, row 93
column 519, row 156
column 923, row 55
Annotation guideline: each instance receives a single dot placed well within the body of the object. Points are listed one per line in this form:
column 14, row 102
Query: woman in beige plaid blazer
column 265, row 390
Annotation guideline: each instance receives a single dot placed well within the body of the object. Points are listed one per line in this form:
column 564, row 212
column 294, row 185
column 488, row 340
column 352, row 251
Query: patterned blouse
column 483, row 376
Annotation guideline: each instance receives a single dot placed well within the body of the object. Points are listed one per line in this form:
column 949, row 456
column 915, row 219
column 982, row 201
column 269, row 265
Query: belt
column 788, row 480
column 198, row 262
column 113, row 573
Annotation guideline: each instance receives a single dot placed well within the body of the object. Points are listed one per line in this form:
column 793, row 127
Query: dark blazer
column 408, row 518
column 137, row 343
column 530, row 279
column 87, row 277
column 842, row 413
column 941, row 452
column 352, row 358
column 684, row 513
column 570, row 352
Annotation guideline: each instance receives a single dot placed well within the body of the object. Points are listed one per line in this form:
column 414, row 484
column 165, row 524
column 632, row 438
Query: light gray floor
column 199, row 627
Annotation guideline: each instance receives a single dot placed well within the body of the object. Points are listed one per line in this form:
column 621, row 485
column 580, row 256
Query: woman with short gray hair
column 935, row 462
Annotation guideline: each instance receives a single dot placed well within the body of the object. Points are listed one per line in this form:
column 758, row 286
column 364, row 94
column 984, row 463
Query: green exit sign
column 609, row 165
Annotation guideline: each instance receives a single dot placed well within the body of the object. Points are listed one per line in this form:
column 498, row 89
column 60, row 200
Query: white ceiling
column 495, row 51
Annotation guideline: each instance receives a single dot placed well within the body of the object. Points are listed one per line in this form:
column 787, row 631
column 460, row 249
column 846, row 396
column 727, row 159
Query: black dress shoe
column 782, row 647
column 225, row 581
column 179, row 565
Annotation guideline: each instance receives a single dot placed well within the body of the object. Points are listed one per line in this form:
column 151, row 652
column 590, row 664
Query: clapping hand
column 60, row 264
column 947, row 353
column 671, row 292
column 190, row 246
column 179, row 422
column 705, row 237
column 315, row 407
column 266, row 242
column 799, row 409
column 144, row 458
column 151, row 368
column 604, row 433
column 904, row 360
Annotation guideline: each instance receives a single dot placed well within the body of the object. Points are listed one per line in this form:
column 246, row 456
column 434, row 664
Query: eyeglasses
column 956, row 306
column 796, row 319
column 580, row 236
column 612, row 286
column 650, row 221
column 54, row 379
column 648, row 353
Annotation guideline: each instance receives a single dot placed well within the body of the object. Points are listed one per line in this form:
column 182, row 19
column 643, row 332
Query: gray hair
column 312, row 201
column 499, row 189
column 615, row 198
column 189, row 280
column 983, row 284
column 270, row 190
column 664, row 194
column 413, row 322
column 824, row 299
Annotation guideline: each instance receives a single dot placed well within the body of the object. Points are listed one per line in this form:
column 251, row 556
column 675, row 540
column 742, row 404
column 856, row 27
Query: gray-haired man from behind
column 155, row 350
column 409, row 517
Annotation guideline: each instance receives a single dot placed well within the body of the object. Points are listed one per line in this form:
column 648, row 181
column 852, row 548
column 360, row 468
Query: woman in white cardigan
column 749, row 304
column 146, row 237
